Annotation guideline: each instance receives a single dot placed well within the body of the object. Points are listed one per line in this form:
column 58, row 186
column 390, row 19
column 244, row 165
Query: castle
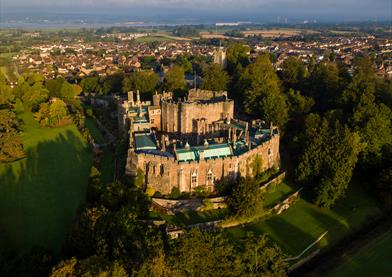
column 194, row 142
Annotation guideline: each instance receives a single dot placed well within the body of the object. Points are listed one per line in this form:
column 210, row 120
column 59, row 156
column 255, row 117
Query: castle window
column 162, row 169
column 269, row 152
column 152, row 120
column 209, row 177
column 194, row 180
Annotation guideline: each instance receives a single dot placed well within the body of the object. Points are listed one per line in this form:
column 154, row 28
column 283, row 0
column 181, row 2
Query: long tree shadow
column 39, row 195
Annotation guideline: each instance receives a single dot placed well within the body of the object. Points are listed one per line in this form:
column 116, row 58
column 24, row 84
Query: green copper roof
column 212, row 151
column 144, row 142
column 184, row 155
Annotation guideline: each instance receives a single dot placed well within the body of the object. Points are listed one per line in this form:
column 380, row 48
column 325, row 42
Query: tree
column 90, row 267
column 31, row 91
column 198, row 253
column 237, row 57
column 263, row 98
column 54, row 86
column 246, row 198
column 90, row 84
column 174, row 79
column 43, row 114
column 261, row 258
column 6, row 95
column 299, row 104
column 10, row 143
column 215, row 78
column 112, row 84
column 325, row 86
column 371, row 119
column 57, row 111
column 330, row 154
column 183, row 61
column 293, row 73
column 144, row 81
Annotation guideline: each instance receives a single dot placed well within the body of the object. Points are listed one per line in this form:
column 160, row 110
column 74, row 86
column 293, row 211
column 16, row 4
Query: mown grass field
column 372, row 259
column 40, row 194
column 303, row 223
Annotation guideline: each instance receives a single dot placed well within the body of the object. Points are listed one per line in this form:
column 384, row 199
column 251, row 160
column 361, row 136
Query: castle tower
column 156, row 99
column 138, row 98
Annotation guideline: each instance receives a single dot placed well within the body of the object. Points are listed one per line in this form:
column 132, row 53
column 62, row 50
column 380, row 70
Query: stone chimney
column 137, row 98
column 130, row 97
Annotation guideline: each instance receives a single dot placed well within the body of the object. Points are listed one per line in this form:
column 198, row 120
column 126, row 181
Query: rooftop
column 144, row 142
column 210, row 152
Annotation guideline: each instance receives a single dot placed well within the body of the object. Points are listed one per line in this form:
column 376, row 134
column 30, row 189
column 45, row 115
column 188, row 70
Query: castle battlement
column 193, row 143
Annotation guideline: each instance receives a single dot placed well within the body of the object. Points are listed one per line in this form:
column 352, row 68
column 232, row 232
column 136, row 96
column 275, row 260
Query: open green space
column 276, row 193
column 372, row 259
column 91, row 124
column 303, row 223
column 154, row 38
column 40, row 194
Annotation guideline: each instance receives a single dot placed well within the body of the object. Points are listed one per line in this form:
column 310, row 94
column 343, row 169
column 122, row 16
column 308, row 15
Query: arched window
column 210, row 177
column 194, row 179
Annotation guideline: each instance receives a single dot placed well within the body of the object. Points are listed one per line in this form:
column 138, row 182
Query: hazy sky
column 343, row 9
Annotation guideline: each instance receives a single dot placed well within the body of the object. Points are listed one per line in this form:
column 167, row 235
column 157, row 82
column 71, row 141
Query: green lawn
column 94, row 130
column 373, row 259
column 107, row 162
column 276, row 193
column 304, row 222
column 39, row 195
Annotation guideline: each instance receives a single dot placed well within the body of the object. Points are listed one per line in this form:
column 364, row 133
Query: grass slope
column 39, row 195
column 107, row 162
column 373, row 259
column 304, row 222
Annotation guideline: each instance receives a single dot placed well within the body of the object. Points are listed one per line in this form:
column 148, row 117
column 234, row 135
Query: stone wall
column 181, row 117
column 164, row 173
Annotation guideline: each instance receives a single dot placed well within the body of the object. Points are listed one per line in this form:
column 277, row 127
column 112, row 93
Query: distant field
column 304, row 222
column 209, row 35
column 373, row 259
column 39, row 195
column 160, row 37
column 277, row 32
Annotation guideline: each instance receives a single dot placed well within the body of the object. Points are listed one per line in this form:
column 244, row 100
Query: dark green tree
column 246, row 198
column 215, row 78
column 263, row 98
column 10, row 143
column 174, row 79
column 294, row 73
column 144, row 81
column 330, row 154
column 262, row 258
column 237, row 57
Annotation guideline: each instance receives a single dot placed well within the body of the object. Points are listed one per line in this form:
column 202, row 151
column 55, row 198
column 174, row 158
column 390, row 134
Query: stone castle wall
column 164, row 173
column 180, row 117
